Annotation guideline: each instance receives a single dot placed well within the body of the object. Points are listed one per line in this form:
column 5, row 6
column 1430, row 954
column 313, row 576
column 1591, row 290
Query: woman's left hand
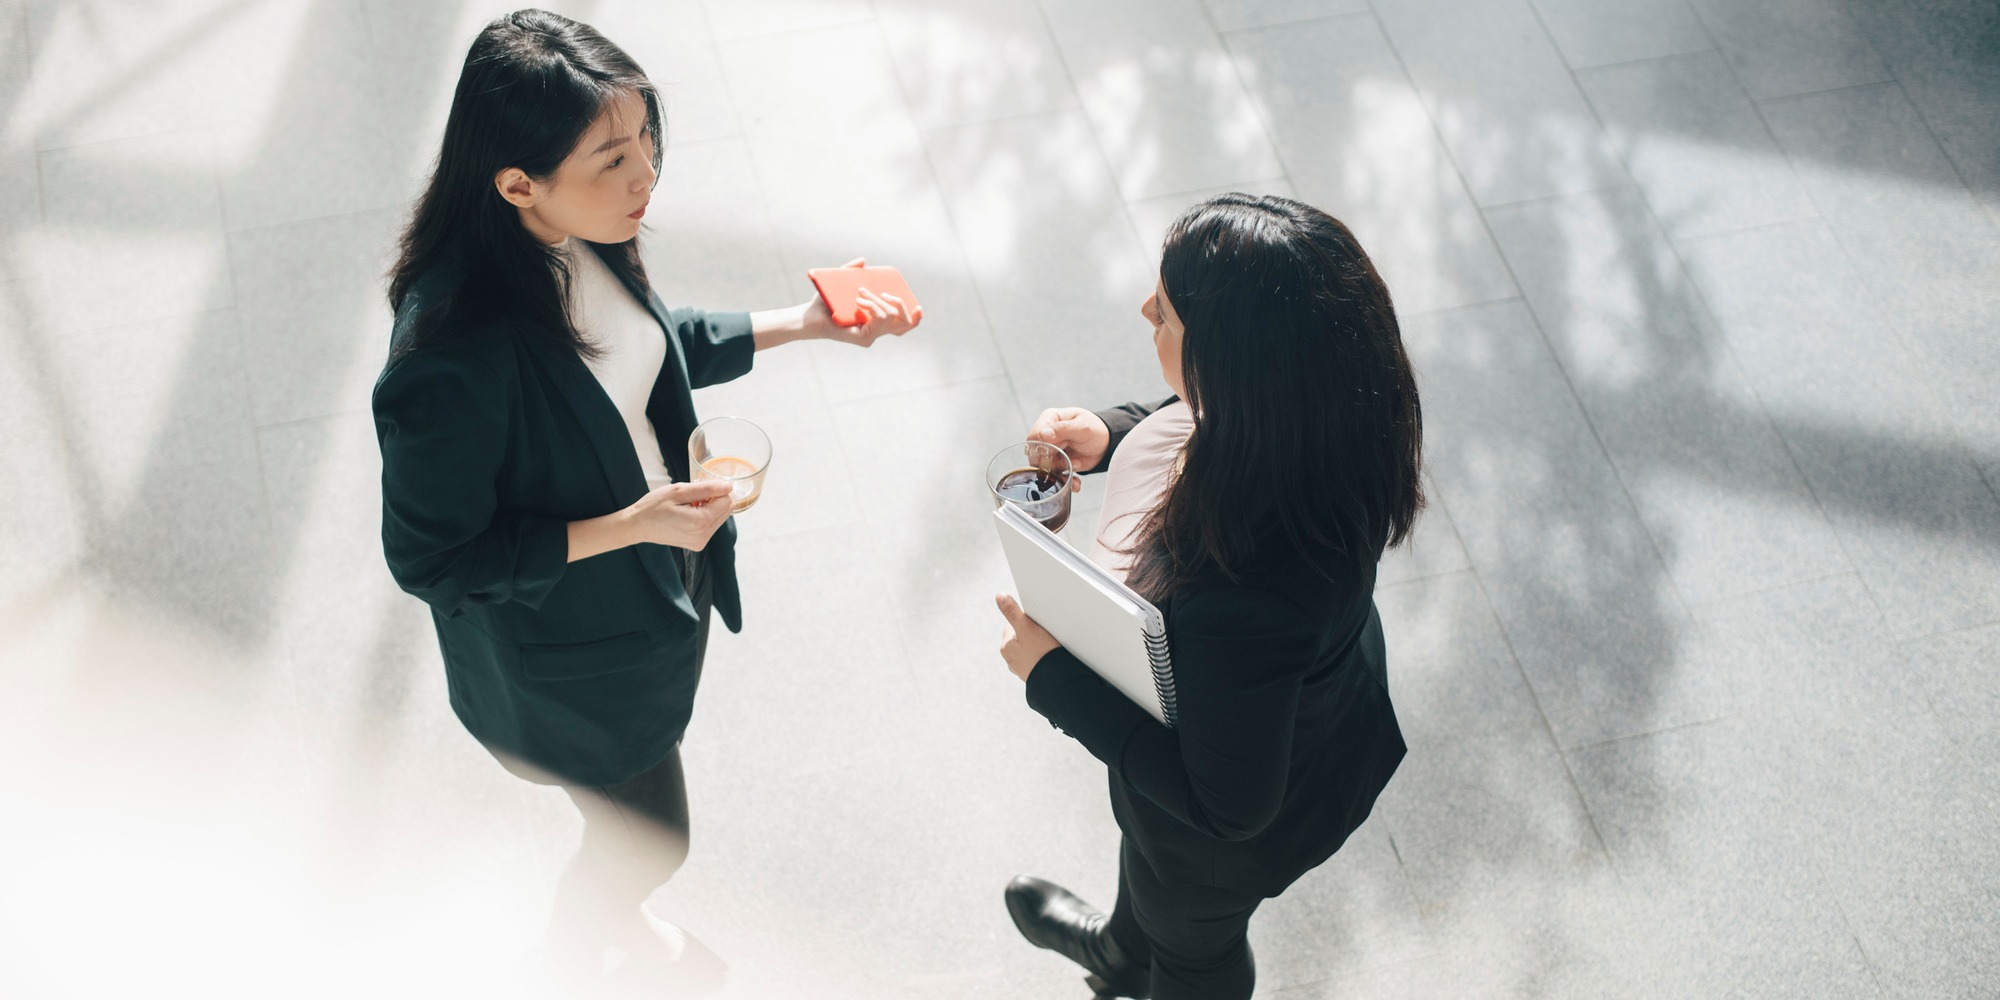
column 1023, row 643
column 883, row 315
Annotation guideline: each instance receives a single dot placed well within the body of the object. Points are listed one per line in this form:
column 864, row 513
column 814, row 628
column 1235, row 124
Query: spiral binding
column 1163, row 675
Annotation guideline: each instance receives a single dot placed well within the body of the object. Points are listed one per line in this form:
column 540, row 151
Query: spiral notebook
column 1113, row 630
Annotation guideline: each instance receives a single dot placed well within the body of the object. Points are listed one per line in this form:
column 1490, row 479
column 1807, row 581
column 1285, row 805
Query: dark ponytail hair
column 532, row 84
column 1308, row 437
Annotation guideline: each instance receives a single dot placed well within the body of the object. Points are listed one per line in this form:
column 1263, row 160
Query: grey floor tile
column 1943, row 55
column 39, row 523
column 1858, row 411
column 1169, row 112
column 1698, row 822
column 1484, row 828
column 1354, row 912
column 17, row 129
column 149, row 68
column 1450, row 671
column 889, row 211
column 312, row 150
column 1792, row 46
column 1152, row 217
column 819, row 668
column 732, row 19
column 965, row 61
column 931, row 515
column 1510, row 114
column 1358, row 144
column 672, row 42
column 1719, row 493
column 1896, row 201
column 1870, row 777
column 363, row 653
column 710, row 243
column 138, row 217
column 314, row 318
column 1235, row 15
column 812, row 482
column 1956, row 671
column 415, row 53
column 1600, row 33
column 1058, row 269
column 1432, row 549
column 167, row 475
column 1572, row 573
column 1696, row 145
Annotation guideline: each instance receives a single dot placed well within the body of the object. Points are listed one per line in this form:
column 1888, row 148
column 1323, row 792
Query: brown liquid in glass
column 1036, row 491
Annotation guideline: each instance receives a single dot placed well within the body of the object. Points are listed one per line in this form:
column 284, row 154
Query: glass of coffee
column 1035, row 477
column 734, row 450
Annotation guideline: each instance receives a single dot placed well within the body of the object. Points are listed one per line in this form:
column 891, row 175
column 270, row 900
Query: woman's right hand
column 1077, row 431
column 683, row 515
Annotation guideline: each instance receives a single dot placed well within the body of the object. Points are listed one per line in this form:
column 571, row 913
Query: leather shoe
column 1052, row 917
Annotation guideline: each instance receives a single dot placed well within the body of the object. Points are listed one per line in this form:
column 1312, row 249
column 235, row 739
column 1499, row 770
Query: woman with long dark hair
column 1251, row 507
column 535, row 484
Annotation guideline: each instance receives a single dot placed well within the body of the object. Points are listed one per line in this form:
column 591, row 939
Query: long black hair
column 532, row 84
column 1308, row 437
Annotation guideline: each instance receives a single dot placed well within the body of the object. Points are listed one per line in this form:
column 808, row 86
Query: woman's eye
column 615, row 163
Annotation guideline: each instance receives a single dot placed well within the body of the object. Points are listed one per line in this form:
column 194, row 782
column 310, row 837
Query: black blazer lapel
column 615, row 455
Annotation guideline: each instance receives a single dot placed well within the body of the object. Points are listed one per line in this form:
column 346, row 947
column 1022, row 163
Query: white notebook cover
column 1113, row 630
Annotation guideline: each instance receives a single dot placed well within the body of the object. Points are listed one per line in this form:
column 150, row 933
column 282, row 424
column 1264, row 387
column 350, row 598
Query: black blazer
column 1286, row 734
column 490, row 448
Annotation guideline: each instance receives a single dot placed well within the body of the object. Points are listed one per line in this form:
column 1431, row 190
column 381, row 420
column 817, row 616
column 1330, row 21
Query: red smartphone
column 839, row 286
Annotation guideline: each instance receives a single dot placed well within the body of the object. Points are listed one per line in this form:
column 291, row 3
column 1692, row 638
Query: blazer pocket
column 577, row 660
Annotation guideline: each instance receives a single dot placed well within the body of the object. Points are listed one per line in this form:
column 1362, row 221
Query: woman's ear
column 517, row 187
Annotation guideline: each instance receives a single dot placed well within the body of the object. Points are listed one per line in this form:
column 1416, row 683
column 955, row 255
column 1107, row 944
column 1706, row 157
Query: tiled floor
column 1696, row 648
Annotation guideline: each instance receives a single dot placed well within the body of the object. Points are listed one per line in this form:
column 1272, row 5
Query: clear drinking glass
column 1035, row 477
column 731, row 449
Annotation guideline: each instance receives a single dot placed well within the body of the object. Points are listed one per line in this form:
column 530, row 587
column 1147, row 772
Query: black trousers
column 1195, row 937
column 635, row 833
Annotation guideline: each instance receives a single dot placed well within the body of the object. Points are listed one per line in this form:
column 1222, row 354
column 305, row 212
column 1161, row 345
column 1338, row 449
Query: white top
column 1146, row 463
column 632, row 348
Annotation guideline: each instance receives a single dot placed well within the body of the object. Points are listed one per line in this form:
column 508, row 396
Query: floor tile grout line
column 762, row 185
column 1406, row 318
column 1896, row 328
column 1701, row 606
column 1221, row 39
column 1642, row 60
column 1569, row 772
column 1673, row 248
column 763, row 36
column 1089, row 124
column 1548, row 728
column 1294, row 23
column 1012, row 116
column 1910, row 640
column 1234, row 185
column 1502, row 206
column 1803, row 94
column 1650, row 733
column 951, row 220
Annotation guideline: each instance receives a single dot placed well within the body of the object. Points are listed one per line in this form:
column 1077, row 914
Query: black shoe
column 1051, row 917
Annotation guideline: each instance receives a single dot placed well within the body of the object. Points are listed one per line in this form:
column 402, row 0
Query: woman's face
column 1167, row 334
column 600, row 192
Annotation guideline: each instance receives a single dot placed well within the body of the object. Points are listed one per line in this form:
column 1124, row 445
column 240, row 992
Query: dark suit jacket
column 490, row 448
column 1286, row 734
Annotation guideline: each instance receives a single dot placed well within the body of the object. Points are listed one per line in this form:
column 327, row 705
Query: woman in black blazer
column 1295, row 464
column 535, row 485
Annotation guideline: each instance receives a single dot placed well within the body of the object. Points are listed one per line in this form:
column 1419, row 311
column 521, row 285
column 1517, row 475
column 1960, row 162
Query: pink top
column 1142, row 469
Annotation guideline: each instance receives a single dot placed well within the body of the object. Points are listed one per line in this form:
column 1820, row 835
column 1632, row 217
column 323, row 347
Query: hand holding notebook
column 1112, row 630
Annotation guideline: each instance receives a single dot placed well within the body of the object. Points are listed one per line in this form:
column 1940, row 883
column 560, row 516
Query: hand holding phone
column 843, row 288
